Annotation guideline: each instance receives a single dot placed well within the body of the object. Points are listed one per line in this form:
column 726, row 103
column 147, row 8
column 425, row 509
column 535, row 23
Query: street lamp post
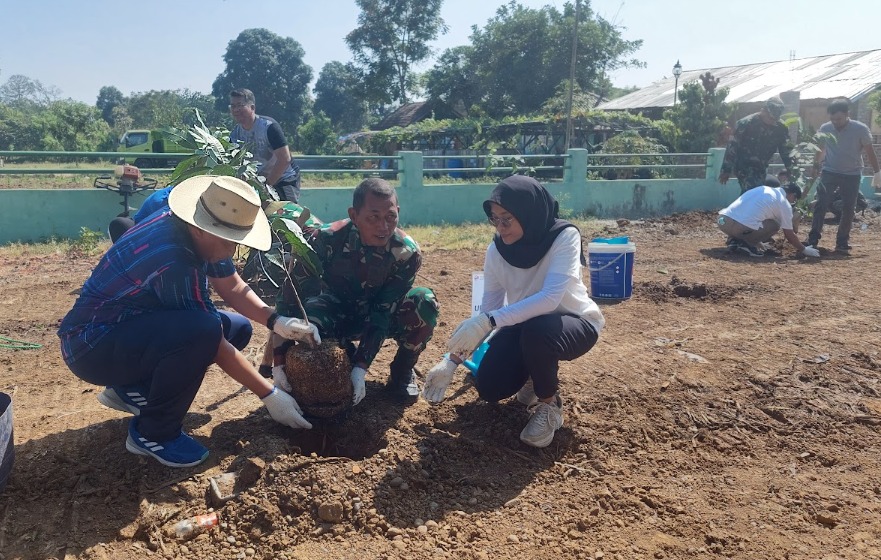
column 677, row 71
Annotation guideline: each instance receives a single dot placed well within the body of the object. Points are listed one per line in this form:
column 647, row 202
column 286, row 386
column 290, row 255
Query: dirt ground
column 730, row 409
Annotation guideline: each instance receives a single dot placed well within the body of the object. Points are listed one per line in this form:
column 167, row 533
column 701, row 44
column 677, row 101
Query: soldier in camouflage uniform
column 756, row 137
column 366, row 291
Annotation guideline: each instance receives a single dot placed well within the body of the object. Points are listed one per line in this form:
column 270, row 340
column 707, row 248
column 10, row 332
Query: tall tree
column 20, row 91
column 452, row 79
column 391, row 37
column 155, row 109
column 698, row 118
column 72, row 126
column 17, row 130
column 337, row 95
column 317, row 136
column 516, row 61
column 272, row 67
column 109, row 97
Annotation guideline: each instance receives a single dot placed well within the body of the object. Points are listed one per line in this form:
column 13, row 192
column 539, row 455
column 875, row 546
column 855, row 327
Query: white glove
column 764, row 246
column 296, row 329
column 438, row 379
column 811, row 252
column 281, row 379
column 359, row 390
column 876, row 181
column 469, row 334
column 285, row 410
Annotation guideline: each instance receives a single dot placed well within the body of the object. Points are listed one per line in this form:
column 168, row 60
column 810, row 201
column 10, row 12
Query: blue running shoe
column 125, row 398
column 182, row 451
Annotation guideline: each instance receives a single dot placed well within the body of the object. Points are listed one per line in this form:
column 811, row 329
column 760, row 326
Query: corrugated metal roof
column 820, row 77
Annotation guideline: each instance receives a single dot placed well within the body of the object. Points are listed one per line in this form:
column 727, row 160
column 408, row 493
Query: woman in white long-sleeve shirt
column 535, row 261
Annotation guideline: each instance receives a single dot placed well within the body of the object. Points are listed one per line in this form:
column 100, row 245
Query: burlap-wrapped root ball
column 320, row 378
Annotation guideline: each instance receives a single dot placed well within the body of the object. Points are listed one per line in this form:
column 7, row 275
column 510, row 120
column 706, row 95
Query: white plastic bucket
column 7, row 451
column 611, row 268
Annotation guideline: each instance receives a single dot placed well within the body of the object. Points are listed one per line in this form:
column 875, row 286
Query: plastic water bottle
column 189, row 527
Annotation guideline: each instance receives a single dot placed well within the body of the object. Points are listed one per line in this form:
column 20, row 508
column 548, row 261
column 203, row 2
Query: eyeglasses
column 503, row 222
column 237, row 105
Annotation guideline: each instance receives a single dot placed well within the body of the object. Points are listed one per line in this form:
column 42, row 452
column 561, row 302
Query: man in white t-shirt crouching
column 759, row 213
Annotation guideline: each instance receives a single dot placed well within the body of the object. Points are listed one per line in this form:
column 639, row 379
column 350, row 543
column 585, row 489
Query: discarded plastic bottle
column 189, row 527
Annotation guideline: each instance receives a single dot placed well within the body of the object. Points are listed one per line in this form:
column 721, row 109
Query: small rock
column 331, row 512
column 393, row 532
column 400, row 545
column 422, row 529
column 513, row 502
column 431, row 524
column 251, row 471
column 405, row 486
column 513, row 539
column 250, row 551
column 396, row 482
column 472, row 501
column 417, row 522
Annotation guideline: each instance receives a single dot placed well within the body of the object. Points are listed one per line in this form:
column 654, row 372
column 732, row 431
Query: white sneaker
column 546, row 419
column 526, row 394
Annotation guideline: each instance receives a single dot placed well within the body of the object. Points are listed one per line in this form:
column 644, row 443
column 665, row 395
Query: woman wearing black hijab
column 534, row 264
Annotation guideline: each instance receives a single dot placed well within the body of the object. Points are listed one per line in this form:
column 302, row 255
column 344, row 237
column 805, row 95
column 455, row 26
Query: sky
column 79, row 47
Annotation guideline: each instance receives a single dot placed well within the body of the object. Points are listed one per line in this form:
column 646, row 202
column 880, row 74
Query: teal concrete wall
column 36, row 215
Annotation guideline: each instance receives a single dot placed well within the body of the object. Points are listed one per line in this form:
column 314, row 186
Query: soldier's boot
column 402, row 378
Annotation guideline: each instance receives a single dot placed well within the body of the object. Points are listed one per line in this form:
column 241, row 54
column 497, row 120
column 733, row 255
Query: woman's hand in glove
column 469, row 334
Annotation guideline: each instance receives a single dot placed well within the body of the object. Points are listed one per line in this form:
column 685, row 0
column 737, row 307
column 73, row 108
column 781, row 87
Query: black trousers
column 166, row 353
column 533, row 349
column 849, row 187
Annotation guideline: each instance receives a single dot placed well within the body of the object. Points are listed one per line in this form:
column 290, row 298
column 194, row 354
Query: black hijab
column 536, row 210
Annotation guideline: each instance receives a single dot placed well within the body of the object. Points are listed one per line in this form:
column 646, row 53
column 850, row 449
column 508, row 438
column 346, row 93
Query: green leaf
column 300, row 248
column 224, row 169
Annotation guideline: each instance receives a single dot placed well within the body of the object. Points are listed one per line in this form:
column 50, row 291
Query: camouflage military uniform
column 367, row 293
column 750, row 150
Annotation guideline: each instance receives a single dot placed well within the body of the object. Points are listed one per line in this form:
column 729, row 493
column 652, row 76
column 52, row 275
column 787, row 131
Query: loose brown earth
column 730, row 409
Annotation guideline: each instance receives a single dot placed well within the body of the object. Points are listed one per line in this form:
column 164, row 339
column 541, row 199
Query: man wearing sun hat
column 144, row 324
column 752, row 145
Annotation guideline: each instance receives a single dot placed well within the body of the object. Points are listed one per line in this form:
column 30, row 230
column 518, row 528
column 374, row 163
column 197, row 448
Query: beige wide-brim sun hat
column 223, row 206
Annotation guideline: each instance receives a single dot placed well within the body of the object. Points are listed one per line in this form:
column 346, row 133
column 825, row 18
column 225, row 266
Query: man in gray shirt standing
column 842, row 167
column 266, row 141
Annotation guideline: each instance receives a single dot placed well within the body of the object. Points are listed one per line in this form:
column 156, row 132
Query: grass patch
column 445, row 237
column 55, row 247
column 474, row 237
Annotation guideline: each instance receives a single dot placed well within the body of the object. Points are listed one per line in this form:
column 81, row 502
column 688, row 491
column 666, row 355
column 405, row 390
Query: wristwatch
column 271, row 321
column 492, row 320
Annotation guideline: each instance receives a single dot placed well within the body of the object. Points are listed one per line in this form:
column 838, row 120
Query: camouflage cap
column 774, row 106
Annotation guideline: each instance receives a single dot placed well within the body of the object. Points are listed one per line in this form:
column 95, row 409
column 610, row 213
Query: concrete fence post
column 714, row 162
column 575, row 168
column 410, row 171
